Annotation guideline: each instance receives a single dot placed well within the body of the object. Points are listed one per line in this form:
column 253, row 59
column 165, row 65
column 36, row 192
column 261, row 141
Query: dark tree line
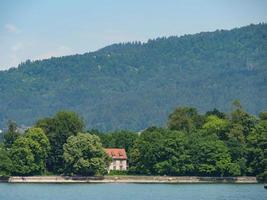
column 210, row 144
column 213, row 144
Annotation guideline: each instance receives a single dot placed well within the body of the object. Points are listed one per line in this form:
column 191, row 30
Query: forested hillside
column 135, row 85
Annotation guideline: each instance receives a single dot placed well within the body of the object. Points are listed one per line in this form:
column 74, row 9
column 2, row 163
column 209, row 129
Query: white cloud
column 11, row 28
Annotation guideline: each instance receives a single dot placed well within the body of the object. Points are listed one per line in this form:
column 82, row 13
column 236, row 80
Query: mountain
column 136, row 85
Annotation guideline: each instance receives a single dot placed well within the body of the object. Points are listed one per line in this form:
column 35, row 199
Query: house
column 119, row 159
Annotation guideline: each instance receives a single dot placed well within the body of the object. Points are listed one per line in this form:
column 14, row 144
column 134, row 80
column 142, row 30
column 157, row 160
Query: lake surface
column 132, row 191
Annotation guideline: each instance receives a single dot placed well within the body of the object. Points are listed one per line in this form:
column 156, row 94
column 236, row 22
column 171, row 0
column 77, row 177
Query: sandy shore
column 130, row 179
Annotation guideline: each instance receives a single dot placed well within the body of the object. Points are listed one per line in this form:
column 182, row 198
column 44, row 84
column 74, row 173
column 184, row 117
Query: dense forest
column 210, row 144
column 135, row 85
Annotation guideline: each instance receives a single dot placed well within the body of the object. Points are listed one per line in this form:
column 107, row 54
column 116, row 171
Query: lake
column 118, row 191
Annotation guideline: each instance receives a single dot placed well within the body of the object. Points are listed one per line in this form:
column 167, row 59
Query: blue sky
column 35, row 29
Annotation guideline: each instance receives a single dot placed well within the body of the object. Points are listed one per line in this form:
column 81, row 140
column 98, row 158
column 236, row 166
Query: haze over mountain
column 136, row 85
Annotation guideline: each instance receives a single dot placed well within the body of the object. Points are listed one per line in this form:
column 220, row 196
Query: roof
column 116, row 153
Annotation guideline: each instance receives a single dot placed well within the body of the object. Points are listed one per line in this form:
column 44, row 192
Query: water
column 132, row 191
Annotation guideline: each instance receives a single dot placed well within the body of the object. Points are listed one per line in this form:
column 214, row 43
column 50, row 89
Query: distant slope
column 136, row 85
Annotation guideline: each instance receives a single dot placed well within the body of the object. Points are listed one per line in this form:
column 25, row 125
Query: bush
column 262, row 177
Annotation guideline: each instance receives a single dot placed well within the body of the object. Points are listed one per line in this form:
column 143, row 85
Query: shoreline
column 131, row 179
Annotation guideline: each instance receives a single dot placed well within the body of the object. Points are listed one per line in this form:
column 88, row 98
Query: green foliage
column 29, row 153
column 135, row 85
column 215, row 125
column 11, row 135
column 84, row 155
column 257, row 149
column 184, row 119
column 193, row 144
column 263, row 115
column 58, row 128
column 146, row 152
column 243, row 119
column 211, row 157
column 162, row 152
column 262, row 177
column 22, row 153
column 217, row 113
column 118, row 139
column 5, row 162
column 174, row 155
column 38, row 135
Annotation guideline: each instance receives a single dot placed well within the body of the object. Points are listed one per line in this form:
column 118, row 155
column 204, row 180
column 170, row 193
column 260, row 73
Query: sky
column 39, row 29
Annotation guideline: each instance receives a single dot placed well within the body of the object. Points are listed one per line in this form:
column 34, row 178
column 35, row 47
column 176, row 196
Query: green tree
column 58, row 128
column 257, row 149
column 239, row 116
column 210, row 156
column 29, row 153
column 146, row 151
column 185, row 119
column 263, row 115
column 162, row 152
column 11, row 135
column 5, row 162
column 217, row 113
column 23, row 157
column 38, row 135
column 174, row 156
column 84, row 155
column 216, row 125
column 238, row 153
column 118, row 139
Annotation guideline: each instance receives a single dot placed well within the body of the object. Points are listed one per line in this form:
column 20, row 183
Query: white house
column 119, row 159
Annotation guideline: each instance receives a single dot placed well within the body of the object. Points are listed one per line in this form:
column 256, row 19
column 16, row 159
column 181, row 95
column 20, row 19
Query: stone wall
column 130, row 179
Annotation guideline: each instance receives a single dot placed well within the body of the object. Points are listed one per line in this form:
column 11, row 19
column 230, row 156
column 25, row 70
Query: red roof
column 116, row 153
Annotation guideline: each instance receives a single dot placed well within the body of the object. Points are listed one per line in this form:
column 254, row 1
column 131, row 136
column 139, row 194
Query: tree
column 29, row 153
column 159, row 151
column 174, row 155
column 210, row 156
column 216, row 125
column 118, row 139
column 5, row 162
column 184, row 119
column 58, row 128
column 84, row 155
column 263, row 115
column 237, row 131
column 238, row 151
column 23, row 157
column 239, row 116
column 217, row 113
column 11, row 135
column 145, row 153
column 38, row 135
column 257, row 149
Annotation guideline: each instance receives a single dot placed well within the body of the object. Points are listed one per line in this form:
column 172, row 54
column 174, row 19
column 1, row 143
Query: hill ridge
column 136, row 85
